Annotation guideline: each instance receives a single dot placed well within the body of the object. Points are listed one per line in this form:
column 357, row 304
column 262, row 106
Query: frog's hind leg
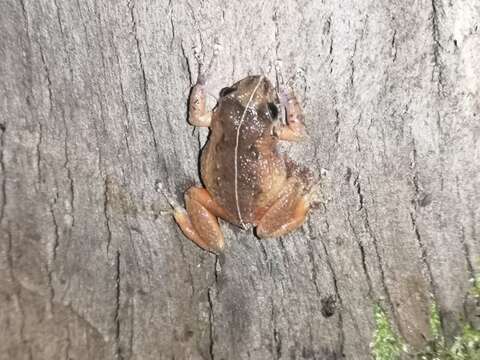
column 199, row 220
column 287, row 213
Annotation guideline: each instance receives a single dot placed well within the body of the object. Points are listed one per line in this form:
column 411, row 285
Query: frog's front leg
column 287, row 213
column 197, row 112
column 199, row 220
column 294, row 130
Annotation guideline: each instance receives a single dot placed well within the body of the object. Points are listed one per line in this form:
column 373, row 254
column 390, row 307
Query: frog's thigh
column 286, row 214
column 198, row 222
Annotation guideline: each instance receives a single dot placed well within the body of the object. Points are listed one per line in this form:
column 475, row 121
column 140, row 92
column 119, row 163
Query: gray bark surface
column 93, row 114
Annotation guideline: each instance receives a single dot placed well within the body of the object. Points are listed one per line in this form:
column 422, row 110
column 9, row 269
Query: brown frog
column 247, row 182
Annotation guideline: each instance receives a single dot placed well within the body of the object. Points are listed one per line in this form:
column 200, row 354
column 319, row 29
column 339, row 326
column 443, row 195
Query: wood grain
column 93, row 114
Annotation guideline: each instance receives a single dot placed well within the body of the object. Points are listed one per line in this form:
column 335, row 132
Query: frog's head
column 254, row 91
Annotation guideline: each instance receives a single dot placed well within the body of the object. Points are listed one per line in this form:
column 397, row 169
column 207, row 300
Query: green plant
column 387, row 345
column 475, row 290
column 467, row 345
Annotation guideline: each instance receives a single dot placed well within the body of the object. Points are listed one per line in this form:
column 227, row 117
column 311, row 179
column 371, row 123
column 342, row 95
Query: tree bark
column 94, row 100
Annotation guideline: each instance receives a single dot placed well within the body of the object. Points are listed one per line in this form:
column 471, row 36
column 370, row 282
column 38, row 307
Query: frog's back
column 240, row 166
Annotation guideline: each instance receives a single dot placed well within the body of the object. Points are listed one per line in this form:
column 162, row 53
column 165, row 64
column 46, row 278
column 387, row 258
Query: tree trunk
column 94, row 100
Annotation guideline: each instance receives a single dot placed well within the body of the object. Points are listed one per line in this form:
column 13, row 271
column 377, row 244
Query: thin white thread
column 236, row 151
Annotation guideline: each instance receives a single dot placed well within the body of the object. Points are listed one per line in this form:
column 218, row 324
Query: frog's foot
column 294, row 130
column 287, row 213
column 197, row 113
column 199, row 220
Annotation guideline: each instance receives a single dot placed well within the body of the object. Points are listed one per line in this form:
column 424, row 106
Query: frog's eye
column 226, row 90
column 273, row 109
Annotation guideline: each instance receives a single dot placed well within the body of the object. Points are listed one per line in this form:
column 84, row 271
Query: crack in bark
column 38, row 153
column 132, row 323
column 172, row 24
column 59, row 21
column 394, row 45
column 337, row 295
column 311, row 257
column 125, row 105
column 381, row 269
column 25, row 17
column 437, row 72
column 277, row 342
column 102, row 36
column 466, row 250
column 423, row 251
column 66, row 166
column 336, row 129
column 106, row 179
column 3, row 171
column 196, row 23
column 277, row 339
column 276, row 34
column 130, row 238
column 352, row 65
column 131, row 6
column 69, row 344
column 102, row 118
column 413, row 219
column 327, row 31
column 264, row 251
column 330, row 53
column 285, row 258
column 187, row 63
column 141, row 269
column 471, row 272
column 357, row 138
column 50, row 111
column 283, row 250
column 211, row 320
column 52, row 258
column 311, row 260
column 106, row 191
column 363, row 257
column 219, row 259
column 358, row 189
column 118, row 348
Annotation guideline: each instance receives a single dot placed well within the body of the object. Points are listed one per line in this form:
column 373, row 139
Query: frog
column 246, row 180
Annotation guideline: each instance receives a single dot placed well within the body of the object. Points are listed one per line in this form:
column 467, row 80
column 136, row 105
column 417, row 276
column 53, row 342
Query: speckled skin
column 247, row 182
column 262, row 173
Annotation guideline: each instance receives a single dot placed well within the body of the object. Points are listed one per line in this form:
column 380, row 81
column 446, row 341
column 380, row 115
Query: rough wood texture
column 93, row 113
